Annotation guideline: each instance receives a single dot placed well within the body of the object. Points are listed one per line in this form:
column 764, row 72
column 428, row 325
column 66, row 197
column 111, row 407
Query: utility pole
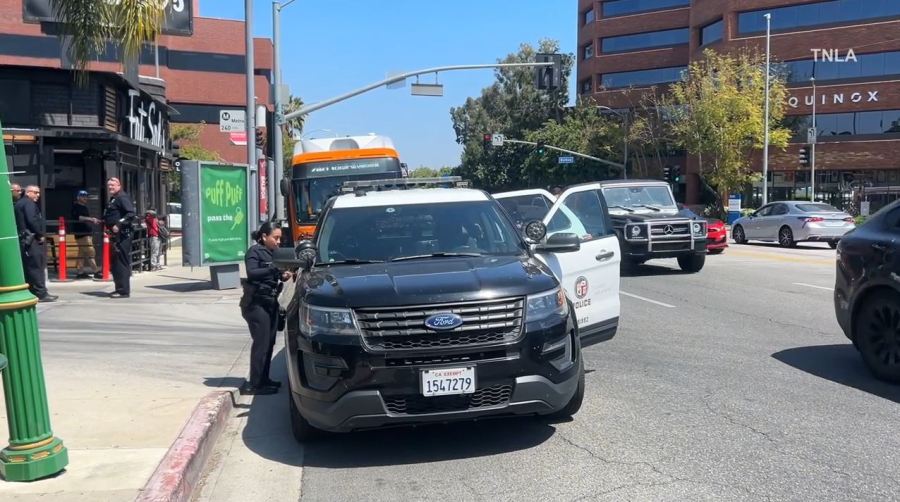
column 765, row 194
column 279, row 105
column 251, row 97
column 33, row 451
column 812, row 146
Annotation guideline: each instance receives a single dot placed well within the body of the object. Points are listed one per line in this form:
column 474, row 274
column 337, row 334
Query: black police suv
column 867, row 291
column 426, row 305
column 648, row 224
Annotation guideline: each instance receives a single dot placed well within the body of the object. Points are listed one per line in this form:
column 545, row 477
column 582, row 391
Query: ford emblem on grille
column 443, row 322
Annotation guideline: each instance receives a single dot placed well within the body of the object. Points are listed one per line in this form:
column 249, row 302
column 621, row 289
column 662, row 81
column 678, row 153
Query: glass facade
column 878, row 64
column 623, row 7
column 846, row 124
column 817, row 14
column 641, row 77
column 650, row 39
column 589, row 17
column 712, row 32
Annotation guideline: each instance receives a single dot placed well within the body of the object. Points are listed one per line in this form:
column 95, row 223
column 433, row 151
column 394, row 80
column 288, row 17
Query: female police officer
column 259, row 307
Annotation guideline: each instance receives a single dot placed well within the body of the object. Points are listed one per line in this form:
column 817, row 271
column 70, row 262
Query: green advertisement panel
column 223, row 213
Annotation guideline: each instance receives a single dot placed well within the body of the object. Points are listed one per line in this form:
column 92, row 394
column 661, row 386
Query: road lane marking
column 661, row 304
column 812, row 286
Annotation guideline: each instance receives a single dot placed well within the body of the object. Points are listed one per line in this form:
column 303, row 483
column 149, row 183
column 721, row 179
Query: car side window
column 764, row 211
column 778, row 210
column 587, row 207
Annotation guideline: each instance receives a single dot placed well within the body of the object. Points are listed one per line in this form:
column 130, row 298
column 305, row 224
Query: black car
column 867, row 291
column 427, row 305
column 647, row 221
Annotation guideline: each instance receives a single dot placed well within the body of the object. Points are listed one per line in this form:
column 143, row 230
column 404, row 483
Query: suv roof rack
column 360, row 187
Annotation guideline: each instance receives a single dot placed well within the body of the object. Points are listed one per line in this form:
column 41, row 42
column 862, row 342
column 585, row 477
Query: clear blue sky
column 334, row 46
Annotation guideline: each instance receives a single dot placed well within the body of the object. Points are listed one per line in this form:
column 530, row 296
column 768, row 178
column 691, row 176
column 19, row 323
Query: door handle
column 606, row 255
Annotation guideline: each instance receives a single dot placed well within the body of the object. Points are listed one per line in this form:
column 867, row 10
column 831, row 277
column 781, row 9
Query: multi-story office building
column 635, row 44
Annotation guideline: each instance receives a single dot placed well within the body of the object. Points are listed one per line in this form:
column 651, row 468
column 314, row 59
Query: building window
column 817, row 14
column 641, row 77
column 612, row 8
column 712, row 32
column 648, row 40
column 588, row 52
column 587, row 86
column 846, row 124
column 878, row 64
column 588, row 17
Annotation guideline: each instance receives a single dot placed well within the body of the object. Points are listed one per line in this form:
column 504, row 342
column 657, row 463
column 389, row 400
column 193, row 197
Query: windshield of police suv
column 385, row 233
column 639, row 199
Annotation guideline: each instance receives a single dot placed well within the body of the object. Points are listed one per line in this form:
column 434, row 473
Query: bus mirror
column 285, row 187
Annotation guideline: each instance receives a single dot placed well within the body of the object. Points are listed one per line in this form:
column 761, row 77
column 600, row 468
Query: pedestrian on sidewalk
column 152, row 224
column 16, row 190
column 84, row 236
column 119, row 218
column 259, row 307
column 30, row 225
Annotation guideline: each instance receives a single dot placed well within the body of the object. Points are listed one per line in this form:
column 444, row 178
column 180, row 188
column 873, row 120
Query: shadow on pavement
column 775, row 245
column 645, row 270
column 268, row 434
column 234, row 382
column 841, row 364
column 97, row 294
column 184, row 287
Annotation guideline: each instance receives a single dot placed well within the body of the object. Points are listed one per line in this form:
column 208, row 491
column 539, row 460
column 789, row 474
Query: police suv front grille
column 495, row 395
column 670, row 230
column 403, row 328
column 485, row 355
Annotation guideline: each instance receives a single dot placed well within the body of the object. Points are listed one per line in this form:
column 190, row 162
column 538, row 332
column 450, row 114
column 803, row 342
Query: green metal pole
column 33, row 451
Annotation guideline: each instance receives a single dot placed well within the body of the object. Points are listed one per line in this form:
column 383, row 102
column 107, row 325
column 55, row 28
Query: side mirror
column 307, row 254
column 535, row 231
column 560, row 243
column 285, row 187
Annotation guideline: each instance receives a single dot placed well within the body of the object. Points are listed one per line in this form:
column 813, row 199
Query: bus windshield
column 316, row 182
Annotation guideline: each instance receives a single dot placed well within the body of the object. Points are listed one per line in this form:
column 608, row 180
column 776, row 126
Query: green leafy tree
column 511, row 106
column 427, row 172
column 717, row 114
column 188, row 138
column 291, row 131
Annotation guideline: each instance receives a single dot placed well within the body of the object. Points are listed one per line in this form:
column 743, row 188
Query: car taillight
column 848, row 219
column 812, row 219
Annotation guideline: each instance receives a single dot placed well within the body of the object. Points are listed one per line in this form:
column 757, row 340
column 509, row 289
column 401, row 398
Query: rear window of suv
column 817, row 208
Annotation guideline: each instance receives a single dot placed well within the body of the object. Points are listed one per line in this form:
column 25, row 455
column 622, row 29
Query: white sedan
column 790, row 222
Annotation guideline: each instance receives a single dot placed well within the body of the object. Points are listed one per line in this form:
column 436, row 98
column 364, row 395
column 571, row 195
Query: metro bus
column 321, row 166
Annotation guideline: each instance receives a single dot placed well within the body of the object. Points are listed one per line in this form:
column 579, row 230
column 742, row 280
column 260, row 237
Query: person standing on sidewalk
column 16, row 190
column 259, row 307
column 152, row 223
column 119, row 218
column 84, row 236
column 30, row 223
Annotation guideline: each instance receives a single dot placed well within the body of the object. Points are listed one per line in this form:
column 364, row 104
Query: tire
column 876, row 333
column 692, row 263
column 628, row 265
column 300, row 428
column 715, row 251
column 574, row 404
column 786, row 237
column 833, row 244
column 738, row 235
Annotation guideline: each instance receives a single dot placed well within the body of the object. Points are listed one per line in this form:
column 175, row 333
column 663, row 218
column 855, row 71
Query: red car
column 716, row 236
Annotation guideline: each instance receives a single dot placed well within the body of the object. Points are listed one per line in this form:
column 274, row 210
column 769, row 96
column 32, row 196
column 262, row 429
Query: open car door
column 526, row 205
column 590, row 276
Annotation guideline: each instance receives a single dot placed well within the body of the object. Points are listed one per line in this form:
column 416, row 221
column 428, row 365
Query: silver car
column 790, row 222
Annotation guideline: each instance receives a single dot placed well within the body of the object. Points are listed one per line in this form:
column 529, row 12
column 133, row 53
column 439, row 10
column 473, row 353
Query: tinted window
column 821, row 13
column 866, row 65
column 764, row 211
column 837, row 124
column 817, row 208
column 641, row 77
column 588, row 208
column 651, row 39
column 778, row 210
column 525, row 208
column 712, row 32
column 589, row 16
column 385, row 233
column 622, row 7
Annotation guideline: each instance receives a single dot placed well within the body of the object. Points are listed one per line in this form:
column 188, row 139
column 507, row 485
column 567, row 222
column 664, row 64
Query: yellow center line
column 781, row 258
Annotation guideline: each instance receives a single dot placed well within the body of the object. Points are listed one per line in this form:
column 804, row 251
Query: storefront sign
column 223, row 213
column 263, row 188
column 145, row 121
column 838, row 98
column 179, row 14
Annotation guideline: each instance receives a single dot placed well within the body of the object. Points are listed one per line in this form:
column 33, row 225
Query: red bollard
column 105, row 256
column 61, row 260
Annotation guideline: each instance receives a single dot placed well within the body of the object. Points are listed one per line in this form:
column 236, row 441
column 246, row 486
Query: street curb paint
column 179, row 471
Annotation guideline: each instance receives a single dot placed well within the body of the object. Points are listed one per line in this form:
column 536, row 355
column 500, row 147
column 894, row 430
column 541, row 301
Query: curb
column 180, row 469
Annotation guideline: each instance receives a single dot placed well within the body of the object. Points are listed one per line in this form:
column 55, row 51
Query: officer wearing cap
column 119, row 218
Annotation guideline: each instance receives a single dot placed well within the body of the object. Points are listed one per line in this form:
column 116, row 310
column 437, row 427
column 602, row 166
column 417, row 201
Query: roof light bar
column 360, row 187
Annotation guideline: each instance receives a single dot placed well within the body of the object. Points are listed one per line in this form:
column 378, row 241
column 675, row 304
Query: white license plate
column 448, row 381
column 834, row 223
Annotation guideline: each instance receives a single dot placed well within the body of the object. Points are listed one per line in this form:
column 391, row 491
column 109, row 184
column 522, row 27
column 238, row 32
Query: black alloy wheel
column 738, row 235
column 877, row 334
column 786, row 237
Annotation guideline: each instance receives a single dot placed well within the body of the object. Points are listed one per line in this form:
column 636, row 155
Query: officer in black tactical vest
column 119, row 218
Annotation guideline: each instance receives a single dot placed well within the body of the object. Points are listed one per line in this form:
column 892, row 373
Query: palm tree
column 90, row 23
column 295, row 125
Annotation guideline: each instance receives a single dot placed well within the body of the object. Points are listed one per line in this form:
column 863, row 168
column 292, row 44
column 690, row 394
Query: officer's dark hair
column 265, row 229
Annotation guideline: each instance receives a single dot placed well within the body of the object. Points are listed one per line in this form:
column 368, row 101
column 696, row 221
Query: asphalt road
column 732, row 384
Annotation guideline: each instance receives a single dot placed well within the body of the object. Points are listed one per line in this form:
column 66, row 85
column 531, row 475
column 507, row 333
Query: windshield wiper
column 437, row 255
column 351, row 261
column 623, row 207
column 649, row 207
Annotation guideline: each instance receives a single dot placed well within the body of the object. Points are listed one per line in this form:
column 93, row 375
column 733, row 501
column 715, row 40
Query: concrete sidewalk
column 123, row 375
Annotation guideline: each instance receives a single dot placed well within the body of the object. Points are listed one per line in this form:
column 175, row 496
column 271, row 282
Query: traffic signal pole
column 570, row 152
column 33, row 451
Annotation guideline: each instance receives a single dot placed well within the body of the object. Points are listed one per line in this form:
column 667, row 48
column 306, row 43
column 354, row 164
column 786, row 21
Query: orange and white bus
column 321, row 166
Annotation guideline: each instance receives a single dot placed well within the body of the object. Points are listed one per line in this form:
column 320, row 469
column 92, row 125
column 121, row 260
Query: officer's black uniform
column 259, row 307
column 120, row 212
column 30, row 225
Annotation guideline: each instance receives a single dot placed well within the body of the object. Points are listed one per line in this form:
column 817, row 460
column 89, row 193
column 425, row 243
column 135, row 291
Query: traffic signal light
column 667, row 174
column 548, row 77
column 486, row 142
column 804, row 156
column 260, row 138
column 676, row 174
column 539, row 148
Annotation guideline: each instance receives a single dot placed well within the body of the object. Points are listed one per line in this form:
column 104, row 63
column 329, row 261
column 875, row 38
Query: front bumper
column 644, row 250
column 341, row 387
column 717, row 241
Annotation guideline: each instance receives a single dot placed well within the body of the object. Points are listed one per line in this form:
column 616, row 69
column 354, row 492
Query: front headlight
column 543, row 305
column 698, row 228
column 327, row 321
